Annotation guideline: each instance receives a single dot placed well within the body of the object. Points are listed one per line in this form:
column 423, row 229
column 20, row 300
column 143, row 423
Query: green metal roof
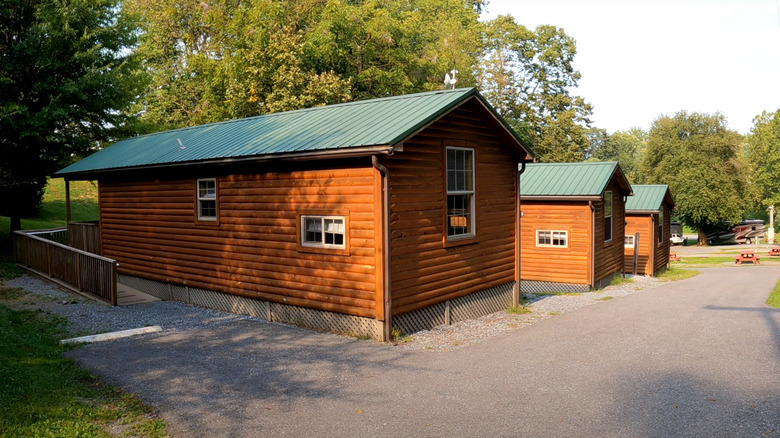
column 648, row 198
column 371, row 126
column 569, row 179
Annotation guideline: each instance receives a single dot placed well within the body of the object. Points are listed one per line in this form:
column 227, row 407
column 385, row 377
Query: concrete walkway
column 699, row 357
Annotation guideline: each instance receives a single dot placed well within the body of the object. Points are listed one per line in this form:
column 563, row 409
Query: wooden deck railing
column 84, row 236
column 79, row 270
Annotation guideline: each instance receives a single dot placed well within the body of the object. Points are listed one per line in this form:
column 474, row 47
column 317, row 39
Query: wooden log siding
column 424, row 270
column 642, row 224
column 610, row 255
column 84, row 236
column 558, row 265
column 252, row 250
column 663, row 248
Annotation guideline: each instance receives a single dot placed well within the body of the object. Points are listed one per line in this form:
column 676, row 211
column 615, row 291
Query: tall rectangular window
column 207, row 199
column 460, row 192
column 661, row 225
column 607, row 216
column 323, row 231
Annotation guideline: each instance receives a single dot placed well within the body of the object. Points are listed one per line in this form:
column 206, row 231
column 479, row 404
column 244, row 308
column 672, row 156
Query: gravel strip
column 88, row 317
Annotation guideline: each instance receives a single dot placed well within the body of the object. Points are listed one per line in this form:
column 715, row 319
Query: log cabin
column 572, row 225
column 648, row 229
column 373, row 217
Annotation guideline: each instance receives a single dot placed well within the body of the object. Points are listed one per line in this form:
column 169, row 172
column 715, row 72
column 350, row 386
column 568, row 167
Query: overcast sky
column 641, row 59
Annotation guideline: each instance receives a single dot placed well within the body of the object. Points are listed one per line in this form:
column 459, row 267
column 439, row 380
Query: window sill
column 451, row 242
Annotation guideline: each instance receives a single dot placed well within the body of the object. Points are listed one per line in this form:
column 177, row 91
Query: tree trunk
column 702, row 238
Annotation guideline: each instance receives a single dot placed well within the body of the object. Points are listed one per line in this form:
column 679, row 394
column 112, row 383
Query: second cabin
column 572, row 225
column 648, row 229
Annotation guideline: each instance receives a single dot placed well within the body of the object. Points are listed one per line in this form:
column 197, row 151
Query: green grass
column 617, row 280
column 568, row 294
column 674, row 274
column 518, row 310
column 703, row 261
column 774, row 297
column 46, row 395
column 604, row 298
column 52, row 214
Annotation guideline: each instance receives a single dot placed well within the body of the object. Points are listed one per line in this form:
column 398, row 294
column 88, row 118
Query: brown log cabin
column 648, row 214
column 572, row 225
column 365, row 217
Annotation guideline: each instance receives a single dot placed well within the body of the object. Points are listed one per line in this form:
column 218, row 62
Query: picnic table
column 673, row 257
column 747, row 256
column 774, row 251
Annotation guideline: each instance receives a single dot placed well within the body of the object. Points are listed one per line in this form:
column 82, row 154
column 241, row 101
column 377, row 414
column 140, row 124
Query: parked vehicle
column 678, row 239
column 745, row 232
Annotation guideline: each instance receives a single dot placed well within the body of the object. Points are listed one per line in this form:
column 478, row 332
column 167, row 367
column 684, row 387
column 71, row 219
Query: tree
column 699, row 158
column 527, row 75
column 763, row 152
column 66, row 76
column 627, row 148
column 224, row 59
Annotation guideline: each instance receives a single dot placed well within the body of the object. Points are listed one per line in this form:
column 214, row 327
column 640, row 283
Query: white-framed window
column 323, row 231
column 628, row 241
column 460, row 193
column 607, row 216
column 559, row 239
column 207, row 199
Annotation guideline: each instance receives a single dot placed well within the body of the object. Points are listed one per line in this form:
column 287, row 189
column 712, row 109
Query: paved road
column 697, row 358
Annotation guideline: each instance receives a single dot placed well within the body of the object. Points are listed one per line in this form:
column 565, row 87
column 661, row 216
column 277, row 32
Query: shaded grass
column 774, row 297
column 518, row 310
column 617, row 280
column 675, row 273
column 52, row 214
column 47, row 395
column 569, row 294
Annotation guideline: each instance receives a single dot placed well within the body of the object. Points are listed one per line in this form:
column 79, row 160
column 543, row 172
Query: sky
column 643, row 59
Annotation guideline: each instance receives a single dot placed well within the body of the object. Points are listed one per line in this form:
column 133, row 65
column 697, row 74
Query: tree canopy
column 627, row 148
column 763, row 152
column 701, row 161
column 66, row 76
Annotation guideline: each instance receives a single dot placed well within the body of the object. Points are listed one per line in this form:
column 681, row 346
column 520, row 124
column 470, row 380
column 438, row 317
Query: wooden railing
column 84, row 236
column 73, row 268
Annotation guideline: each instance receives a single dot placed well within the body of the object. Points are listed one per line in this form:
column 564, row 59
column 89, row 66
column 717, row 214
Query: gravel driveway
column 699, row 357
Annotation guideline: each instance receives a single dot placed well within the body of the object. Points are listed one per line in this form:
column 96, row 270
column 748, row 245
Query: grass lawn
column 83, row 207
column 46, row 395
column 675, row 273
column 774, row 297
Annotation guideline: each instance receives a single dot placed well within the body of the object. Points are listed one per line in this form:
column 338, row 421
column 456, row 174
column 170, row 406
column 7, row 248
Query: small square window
column 628, row 241
column 323, row 231
column 207, row 199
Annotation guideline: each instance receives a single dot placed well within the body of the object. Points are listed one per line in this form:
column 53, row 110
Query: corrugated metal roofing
column 369, row 123
column 566, row 179
column 647, row 197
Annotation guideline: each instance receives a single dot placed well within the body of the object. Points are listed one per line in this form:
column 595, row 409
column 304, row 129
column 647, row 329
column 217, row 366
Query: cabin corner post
column 518, row 218
column 384, row 298
column 67, row 201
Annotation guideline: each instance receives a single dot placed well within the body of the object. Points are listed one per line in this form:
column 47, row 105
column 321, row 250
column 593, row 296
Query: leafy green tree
column 66, row 75
column 225, row 59
column 626, row 148
column 700, row 159
column 763, row 152
column 527, row 75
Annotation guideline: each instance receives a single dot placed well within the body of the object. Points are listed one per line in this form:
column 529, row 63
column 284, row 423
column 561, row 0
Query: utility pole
column 771, row 233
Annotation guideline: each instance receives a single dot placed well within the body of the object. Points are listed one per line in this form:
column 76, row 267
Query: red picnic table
column 774, row 251
column 747, row 256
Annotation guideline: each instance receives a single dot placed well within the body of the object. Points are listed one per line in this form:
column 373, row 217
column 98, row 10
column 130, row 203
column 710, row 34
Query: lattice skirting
column 301, row 316
column 474, row 305
column 532, row 286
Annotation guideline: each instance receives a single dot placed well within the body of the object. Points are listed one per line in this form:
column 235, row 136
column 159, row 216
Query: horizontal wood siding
column 663, row 248
column 151, row 228
column 560, row 265
column 642, row 224
column 425, row 270
column 609, row 255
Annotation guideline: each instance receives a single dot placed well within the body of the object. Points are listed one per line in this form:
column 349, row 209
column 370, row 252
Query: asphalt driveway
column 699, row 357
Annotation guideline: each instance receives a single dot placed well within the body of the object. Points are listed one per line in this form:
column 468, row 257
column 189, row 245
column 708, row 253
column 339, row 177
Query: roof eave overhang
column 642, row 211
column 562, row 198
column 330, row 154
